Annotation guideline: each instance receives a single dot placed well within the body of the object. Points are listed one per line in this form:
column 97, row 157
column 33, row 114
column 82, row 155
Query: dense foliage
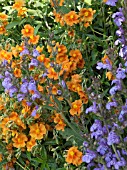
column 63, row 102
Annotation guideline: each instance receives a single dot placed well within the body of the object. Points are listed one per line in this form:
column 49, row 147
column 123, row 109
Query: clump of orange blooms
column 74, row 156
column 3, row 22
column 60, row 122
column 19, row 6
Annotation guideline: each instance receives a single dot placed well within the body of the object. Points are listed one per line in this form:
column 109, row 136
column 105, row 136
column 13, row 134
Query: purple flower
column 118, row 17
column 120, row 73
column 111, row 104
column 86, row 144
column 92, row 108
column 100, row 65
column 111, row 2
column 120, row 32
column 102, row 149
column 1, row 76
column 35, row 53
column 96, row 125
column 112, row 138
column 12, row 90
column 20, row 97
column 89, row 156
column 111, row 163
column 33, row 62
column 32, row 86
column 117, row 87
column 23, row 87
column 34, row 111
column 24, row 52
column 59, row 92
column 123, row 51
column 36, row 95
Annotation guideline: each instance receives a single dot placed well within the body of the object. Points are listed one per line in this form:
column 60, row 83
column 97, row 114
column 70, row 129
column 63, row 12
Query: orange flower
column 74, row 156
column 30, row 144
column 2, row 30
column 66, row 68
column 73, row 86
column 3, row 16
column 87, row 24
column 72, row 66
column 37, row 130
column 18, row 4
column 39, row 49
column 54, row 90
column 22, row 12
column 28, row 30
column 58, row 18
column 60, row 58
column 60, row 123
column 76, row 107
column 33, row 39
column 52, row 74
column 80, row 63
column 17, row 72
column 47, row 62
column 19, row 140
column 71, row 18
column 1, row 157
column 105, row 59
column 76, row 78
column 86, row 14
column 61, row 49
column 83, row 96
column 41, row 58
column 109, row 75
column 71, row 33
column 56, row 3
column 75, row 55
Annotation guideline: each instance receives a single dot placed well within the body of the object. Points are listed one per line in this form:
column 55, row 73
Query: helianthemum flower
column 28, row 31
column 19, row 140
column 74, row 156
column 76, row 107
column 37, row 130
column 71, row 18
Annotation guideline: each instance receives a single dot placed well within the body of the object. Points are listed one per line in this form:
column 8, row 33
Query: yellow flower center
column 72, row 16
column 37, row 131
column 27, row 30
column 1, row 29
column 86, row 14
column 59, row 49
column 74, row 55
column 75, row 106
column 71, row 153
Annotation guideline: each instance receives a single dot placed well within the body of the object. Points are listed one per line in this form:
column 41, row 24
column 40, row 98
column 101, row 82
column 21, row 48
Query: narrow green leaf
column 48, row 107
column 12, row 24
column 37, row 28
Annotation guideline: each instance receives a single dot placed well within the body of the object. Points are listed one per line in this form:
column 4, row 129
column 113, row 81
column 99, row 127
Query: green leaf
column 88, row 2
column 12, row 24
column 44, row 153
column 59, row 105
column 39, row 160
column 48, row 107
column 36, row 29
column 63, row 9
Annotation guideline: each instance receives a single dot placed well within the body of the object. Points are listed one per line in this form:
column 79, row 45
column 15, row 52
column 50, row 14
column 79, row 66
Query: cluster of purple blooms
column 109, row 149
column 26, row 88
column 106, row 138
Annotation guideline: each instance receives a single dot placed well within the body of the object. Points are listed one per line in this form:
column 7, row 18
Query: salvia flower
column 111, row 2
column 112, row 138
column 89, row 156
column 118, row 17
